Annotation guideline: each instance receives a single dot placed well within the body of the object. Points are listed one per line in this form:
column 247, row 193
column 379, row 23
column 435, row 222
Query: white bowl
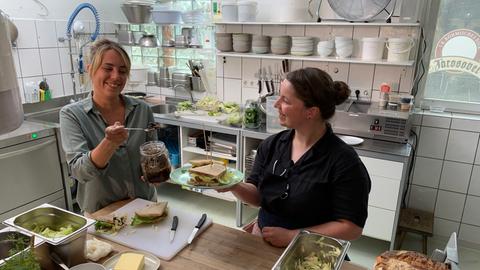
column 344, row 52
column 324, row 51
column 326, row 43
column 88, row 266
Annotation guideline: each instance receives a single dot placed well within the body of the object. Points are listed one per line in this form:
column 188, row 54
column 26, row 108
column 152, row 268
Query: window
column 453, row 77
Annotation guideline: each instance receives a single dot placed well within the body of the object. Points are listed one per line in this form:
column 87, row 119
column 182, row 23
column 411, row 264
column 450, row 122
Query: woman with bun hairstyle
column 306, row 177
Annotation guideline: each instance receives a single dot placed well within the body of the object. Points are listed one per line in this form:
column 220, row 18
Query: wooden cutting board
column 155, row 238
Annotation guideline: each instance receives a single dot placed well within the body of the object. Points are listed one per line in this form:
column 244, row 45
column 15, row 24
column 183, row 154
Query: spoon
column 58, row 261
column 141, row 129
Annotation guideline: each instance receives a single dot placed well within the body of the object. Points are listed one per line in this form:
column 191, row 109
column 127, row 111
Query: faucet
column 80, row 56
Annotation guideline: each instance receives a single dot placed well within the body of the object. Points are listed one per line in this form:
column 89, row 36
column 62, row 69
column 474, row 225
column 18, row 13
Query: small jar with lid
column 154, row 162
column 384, row 95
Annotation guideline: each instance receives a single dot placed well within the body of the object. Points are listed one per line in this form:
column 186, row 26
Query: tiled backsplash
column 446, row 176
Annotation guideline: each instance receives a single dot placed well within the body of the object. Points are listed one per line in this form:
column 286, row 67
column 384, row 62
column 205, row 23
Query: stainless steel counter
column 370, row 145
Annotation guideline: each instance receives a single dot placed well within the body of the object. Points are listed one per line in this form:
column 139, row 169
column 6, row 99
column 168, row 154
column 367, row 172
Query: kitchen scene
column 210, row 93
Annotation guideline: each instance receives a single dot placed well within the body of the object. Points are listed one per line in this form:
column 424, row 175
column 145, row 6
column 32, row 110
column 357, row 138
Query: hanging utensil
column 265, row 79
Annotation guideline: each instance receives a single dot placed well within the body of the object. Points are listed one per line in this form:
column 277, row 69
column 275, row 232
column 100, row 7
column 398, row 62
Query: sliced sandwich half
column 152, row 213
column 110, row 224
column 208, row 175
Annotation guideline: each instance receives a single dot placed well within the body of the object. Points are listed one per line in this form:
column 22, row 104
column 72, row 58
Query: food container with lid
column 315, row 250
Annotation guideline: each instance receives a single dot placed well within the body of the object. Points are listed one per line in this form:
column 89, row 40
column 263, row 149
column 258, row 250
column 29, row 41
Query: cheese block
column 407, row 260
column 130, row 261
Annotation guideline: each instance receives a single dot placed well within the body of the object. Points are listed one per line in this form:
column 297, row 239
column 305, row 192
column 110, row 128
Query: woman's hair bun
column 342, row 92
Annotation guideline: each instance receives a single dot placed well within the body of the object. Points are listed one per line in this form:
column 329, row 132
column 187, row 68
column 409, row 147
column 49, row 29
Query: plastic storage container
column 273, row 123
column 251, row 114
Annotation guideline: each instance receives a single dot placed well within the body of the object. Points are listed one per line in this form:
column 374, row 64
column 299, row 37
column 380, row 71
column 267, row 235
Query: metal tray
column 306, row 243
column 53, row 217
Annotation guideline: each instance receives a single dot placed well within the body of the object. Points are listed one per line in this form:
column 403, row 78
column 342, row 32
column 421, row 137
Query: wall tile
column 234, row 28
column 342, row 31
column 407, row 80
column 233, row 90
column 320, row 65
column 445, row 227
column 233, row 68
column 27, row 37
column 252, row 29
column 432, row 142
column 61, row 27
column 56, row 85
column 219, row 65
column 427, row 172
column 388, row 74
column 250, row 69
column 477, row 156
column 30, row 62
column 319, row 32
column 466, row 124
column 338, row 71
column 46, row 34
column 474, row 187
column 64, row 60
column 455, row 176
column 422, row 198
column 249, row 93
column 449, row 205
column 295, row 30
column 67, row 84
column 274, row 30
column 469, row 233
column 50, row 60
column 471, row 214
column 358, row 76
column 220, row 82
column 461, row 146
column 436, row 121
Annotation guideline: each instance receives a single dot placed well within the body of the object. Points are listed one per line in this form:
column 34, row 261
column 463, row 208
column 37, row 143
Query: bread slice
column 407, row 260
column 202, row 162
column 153, row 210
column 212, row 170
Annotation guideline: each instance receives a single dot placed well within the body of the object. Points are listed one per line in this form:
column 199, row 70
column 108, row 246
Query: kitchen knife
column 197, row 227
column 265, row 79
column 174, row 228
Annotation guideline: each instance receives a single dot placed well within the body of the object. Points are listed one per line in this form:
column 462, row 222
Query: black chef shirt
column 329, row 182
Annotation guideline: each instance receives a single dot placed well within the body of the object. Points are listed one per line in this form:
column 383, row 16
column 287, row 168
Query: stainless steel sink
column 163, row 108
column 354, row 106
column 50, row 116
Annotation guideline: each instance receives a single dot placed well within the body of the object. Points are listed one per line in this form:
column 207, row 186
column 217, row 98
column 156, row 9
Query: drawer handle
column 26, row 150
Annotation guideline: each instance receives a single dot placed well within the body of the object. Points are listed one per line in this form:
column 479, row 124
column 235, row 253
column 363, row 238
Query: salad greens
column 26, row 260
column 184, row 106
column 50, row 233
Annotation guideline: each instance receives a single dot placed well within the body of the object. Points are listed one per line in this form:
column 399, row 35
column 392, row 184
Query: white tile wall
column 427, row 172
column 436, row 121
column 432, row 142
column 474, row 187
column 461, row 146
column 445, row 227
column 477, row 155
column 466, row 124
column 469, row 233
column 449, row 205
column 232, row 89
column 50, row 60
column 46, row 34
column 232, row 68
column 28, row 33
column 455, row 176
column 422, row 198
column 471, row 214
column 30, row 62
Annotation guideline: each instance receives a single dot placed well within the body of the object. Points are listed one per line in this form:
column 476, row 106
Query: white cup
column 230, row 12
column 247, row 11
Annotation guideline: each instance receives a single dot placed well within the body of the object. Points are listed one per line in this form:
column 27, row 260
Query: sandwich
column 152, row 213
column 211, row 174
column 202, row 162
column 110, row 224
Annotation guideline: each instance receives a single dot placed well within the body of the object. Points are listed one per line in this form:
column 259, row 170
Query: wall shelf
column 197, row 150
column 315, row 58
column 324, row 23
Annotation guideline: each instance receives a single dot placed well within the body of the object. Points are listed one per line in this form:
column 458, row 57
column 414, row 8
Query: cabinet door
column 379, row 223
column 384, row 192
column 30, row 171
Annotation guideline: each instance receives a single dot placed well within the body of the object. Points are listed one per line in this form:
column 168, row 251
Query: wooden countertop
column 219, row 248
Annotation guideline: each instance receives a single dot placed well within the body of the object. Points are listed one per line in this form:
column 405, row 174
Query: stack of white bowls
column 302, row 46
column 325, row 47
column 242, row 42
column 223, row 42
column 344, row 46
column 260, row 44
column 280, row 45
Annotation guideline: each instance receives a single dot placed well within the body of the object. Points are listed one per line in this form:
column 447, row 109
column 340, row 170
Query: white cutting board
column 155, row 238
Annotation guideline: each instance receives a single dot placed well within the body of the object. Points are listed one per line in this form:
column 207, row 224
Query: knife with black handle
column 174, row 228
column 197, row 227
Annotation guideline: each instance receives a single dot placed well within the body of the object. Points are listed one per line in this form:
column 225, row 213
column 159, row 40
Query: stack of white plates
column 280, row 45
column 302, row 46
column 193, row 17
column 260, row 44
column 242, row 42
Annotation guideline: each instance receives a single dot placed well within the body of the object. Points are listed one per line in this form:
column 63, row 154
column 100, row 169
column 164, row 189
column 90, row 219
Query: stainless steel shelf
column 324, row 23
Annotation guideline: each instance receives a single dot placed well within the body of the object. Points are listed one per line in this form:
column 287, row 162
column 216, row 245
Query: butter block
column 130, row 261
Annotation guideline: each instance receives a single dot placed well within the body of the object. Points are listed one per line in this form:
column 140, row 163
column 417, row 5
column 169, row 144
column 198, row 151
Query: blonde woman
column 103, row 157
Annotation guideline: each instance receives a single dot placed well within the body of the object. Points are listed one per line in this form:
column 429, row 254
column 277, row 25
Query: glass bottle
column 251, row 114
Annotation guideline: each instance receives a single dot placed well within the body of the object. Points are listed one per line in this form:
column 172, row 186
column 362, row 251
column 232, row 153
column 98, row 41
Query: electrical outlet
column 363, row 94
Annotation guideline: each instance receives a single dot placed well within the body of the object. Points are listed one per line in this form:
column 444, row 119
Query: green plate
column 181, row 176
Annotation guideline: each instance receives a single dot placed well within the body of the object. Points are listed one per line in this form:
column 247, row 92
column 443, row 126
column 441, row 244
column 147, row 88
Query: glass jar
column 154, row 162
column 251, row 114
